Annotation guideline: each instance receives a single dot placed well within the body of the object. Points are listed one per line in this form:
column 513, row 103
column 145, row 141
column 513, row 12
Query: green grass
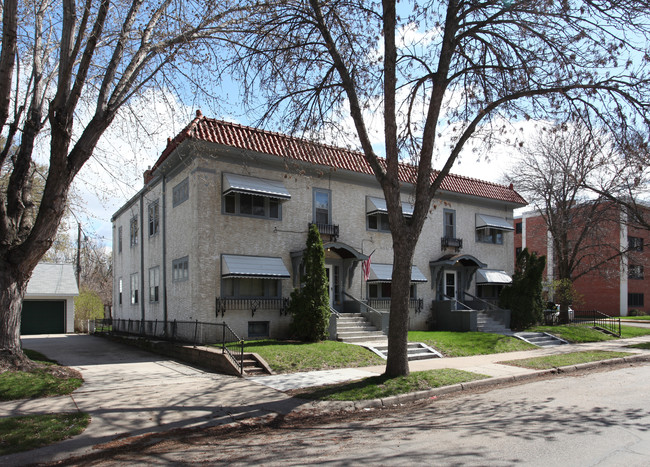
column 643, row 345
column 293, row 356
column 462, row 344
column 24, row 433
column 576, row 333
column 642, row 318
column 40, row 382
column 567, row 359
column 377, row 387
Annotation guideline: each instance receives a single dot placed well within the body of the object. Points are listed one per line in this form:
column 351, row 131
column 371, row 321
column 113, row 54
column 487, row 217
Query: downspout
column 164, row 251
column 142, row 224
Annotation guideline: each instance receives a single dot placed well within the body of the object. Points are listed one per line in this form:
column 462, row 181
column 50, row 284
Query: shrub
column 524, row 296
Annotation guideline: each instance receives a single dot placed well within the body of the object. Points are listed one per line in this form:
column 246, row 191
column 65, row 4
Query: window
column 488, row 235
column 450, row 223
column 119, row 239
column 181, row 192
column 517, row 251
column 258, row 329
column 252, row 205
column 154, row 284
column 154, row 218
column 635, row 299
column 379, row 222
column 251, row 287
column 518, row 227
column 635, row 271
column 383, row 290
column 635, row 243
column 134, row 289
column 119, row 291
column 322, row 206
column 181, row 269
column 133, row 231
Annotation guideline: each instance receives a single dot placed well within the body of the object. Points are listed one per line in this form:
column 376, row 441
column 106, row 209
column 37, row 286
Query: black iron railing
column 327, row 229
column 450, row 242
column 597, row 320
column 188, row 332
column 253, row 304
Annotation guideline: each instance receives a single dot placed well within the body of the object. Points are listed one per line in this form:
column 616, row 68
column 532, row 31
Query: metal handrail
column 368, row 307
column 334, row 312
column 490, row 305
column 456, row 300
column 598, row 320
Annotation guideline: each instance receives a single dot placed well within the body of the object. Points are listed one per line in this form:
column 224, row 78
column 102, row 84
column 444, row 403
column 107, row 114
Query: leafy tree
column 310, row 304
column 87, row 305
column 435, row 76
column 564, row 293
column 84, row 63
column 524, row 296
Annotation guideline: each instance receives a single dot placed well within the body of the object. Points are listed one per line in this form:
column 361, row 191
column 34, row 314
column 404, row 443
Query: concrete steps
column 486, row 323
column 353, row 328
column 415, row 351
column 540, row 339
column 253, row 367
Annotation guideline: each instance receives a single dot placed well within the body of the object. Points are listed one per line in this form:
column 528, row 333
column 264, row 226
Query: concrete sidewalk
column 129, row 392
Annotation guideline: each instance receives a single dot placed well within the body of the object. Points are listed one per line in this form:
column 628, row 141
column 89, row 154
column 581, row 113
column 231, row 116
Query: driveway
column 127, row 390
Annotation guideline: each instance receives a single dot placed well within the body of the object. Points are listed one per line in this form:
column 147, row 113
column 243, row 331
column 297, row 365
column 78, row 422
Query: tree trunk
column 397, row 362
column 13, row 283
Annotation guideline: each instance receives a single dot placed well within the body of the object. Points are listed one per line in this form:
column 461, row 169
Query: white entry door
column 450, row 285
column 330, row 291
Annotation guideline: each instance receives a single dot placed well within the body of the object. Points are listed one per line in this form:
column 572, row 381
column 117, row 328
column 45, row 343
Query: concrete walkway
column 129, row 392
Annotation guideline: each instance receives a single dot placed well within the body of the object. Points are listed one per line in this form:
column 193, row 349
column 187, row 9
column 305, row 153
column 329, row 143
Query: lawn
column 566, row 359
column 377, row 387
column 294, row 356
column 34, row 431
column 643, row 345
column 576, row 333
column 462, row 344
column 46, row 380
column 642, row 318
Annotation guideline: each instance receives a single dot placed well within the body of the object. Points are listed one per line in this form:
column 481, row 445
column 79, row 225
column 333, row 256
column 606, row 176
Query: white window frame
column 181, row 269
column 154, row 218
column 133, row 231
column 267, row 201
column 135, row 286
column 154, row 284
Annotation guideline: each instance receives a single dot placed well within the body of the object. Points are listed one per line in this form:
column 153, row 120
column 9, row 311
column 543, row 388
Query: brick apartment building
column 618, row 284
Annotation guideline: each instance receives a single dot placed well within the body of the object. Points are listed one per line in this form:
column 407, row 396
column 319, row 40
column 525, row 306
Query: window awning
column 262, row 267
column 483, row 221
column 378, row 205
column 492, row 276
column 384, row 273
column 254, row 186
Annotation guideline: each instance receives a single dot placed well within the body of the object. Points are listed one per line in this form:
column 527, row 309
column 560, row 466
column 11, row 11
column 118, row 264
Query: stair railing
column 598, row 320
column 457, row 302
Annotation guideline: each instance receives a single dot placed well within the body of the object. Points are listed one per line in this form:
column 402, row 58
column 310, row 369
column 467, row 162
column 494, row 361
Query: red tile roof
column 277, row 144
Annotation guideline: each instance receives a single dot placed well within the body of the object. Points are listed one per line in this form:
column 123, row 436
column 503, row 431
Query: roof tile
column 277, row 144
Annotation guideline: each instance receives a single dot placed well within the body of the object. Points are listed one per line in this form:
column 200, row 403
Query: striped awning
column 384, row 272
column 255, row 186
column 378, row 205
column 483, row 221
column 253, row 266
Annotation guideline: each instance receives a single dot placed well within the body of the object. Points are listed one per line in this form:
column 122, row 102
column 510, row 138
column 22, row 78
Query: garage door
column 43, row 317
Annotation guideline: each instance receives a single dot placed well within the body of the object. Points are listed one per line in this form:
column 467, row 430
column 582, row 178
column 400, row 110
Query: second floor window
column 635, row 243
column 119, row 291
column 322, row 206
column 133, row 231
column 252, row 205
column 181, row 192
column 119, row 239
column 635, row 271
column 450, row 223
column 154, row 218
column 488, row 235
column 378, row 222
column 181, row 269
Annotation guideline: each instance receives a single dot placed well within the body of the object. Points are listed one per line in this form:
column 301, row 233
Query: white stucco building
column 217, row 232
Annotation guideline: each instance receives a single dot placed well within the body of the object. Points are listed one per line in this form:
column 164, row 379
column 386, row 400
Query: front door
column 330, row 291
column 450, row 285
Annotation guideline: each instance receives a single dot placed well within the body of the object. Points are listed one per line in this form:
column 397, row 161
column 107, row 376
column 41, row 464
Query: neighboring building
column 217, row 232
column 48, row 306
column 618, row 285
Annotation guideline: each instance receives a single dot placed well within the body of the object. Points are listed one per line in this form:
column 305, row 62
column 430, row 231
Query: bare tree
column 66, row 70
column 551, row 173
column 462, row 66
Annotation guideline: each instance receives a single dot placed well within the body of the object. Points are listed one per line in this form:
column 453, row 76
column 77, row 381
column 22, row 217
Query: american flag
column 365, row 267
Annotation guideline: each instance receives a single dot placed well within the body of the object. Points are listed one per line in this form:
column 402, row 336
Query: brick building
column 616, row 257
column 218, row 230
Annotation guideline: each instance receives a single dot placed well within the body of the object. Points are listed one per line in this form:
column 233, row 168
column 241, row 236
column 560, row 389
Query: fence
column 598, row 320
column 189, row 332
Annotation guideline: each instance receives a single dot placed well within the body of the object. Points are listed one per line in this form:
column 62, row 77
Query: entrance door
column 330, row 291
column 450, row 285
